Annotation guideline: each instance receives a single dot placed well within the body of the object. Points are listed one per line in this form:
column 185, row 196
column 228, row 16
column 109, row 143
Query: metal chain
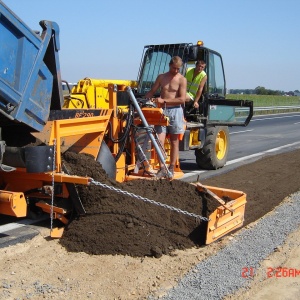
column 52, row 194
column 148, row 200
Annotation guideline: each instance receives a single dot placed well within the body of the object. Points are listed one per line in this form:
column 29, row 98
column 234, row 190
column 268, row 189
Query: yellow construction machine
column 107, row 119
column 206, row 130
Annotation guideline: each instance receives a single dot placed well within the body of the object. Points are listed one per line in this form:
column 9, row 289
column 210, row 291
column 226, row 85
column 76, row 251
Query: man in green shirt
column 196, row 79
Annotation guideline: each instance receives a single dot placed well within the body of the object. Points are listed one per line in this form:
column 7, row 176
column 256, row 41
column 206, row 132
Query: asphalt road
column 264, row 133
column 269, row 134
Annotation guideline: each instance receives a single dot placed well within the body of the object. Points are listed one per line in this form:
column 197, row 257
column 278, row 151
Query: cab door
column 218, row 110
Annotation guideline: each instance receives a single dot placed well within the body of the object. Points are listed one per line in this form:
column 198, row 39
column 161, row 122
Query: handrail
column 269, row 108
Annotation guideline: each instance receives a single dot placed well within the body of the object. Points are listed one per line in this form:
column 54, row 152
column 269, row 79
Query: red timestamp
column 282, row 272
column 248, row 272
column 279, row 272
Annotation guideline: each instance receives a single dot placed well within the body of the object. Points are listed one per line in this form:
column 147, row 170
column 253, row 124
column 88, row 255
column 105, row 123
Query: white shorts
column 176, row 121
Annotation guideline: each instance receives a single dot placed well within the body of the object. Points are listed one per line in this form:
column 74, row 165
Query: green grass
column 266, row 100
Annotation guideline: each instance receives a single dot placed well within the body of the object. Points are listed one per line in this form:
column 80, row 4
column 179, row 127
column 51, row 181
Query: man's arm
column 200, row 90
column 154, row 88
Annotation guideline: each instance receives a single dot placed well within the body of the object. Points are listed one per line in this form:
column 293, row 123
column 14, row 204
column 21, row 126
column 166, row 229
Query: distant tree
column 271, row 92
column 260, row 90
column 296, row 91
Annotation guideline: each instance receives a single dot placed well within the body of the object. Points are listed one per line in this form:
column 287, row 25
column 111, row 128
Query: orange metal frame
column 82, row 135
column 225, row 218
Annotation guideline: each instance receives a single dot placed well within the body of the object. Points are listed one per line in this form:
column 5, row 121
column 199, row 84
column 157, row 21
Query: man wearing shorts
column 172, row 96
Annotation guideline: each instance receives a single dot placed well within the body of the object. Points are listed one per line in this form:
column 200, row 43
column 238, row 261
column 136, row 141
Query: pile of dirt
column 116, row 223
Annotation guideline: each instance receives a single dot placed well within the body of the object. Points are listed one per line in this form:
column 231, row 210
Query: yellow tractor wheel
column 213, row 154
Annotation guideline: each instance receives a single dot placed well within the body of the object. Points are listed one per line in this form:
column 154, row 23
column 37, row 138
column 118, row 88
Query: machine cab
column 215, row 109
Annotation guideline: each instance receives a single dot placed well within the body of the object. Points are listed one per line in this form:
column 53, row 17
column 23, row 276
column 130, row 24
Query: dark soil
column 266, row 182
column 118, row 224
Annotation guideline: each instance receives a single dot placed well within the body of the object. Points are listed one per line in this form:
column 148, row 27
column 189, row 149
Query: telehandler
column 107, row 119
column 207, row 127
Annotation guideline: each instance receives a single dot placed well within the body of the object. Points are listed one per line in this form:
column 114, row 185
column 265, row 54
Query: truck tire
column 213, row 155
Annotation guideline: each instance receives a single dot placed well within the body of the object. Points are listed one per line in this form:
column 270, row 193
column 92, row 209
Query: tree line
column 260, row 90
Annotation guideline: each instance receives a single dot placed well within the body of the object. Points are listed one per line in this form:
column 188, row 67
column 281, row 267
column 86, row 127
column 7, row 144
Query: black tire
column 214, row 153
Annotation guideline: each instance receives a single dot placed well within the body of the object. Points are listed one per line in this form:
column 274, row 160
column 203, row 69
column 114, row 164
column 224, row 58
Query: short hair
column 175, row 60
column 200, row 61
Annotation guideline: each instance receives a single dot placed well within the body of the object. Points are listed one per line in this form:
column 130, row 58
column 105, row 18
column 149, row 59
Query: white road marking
column 242, row 131
column 280, row 117
column 21, row 223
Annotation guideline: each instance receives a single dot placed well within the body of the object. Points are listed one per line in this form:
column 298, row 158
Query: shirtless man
column 172, row 95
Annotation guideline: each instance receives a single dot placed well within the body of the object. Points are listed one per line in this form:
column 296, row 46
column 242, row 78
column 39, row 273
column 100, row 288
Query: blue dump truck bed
column 30, row 81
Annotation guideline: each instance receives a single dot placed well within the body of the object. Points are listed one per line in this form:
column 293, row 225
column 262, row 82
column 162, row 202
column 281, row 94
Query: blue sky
column 258, row 39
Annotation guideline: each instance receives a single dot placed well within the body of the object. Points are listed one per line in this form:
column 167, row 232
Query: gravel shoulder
column 246, row 261
column 284, row 283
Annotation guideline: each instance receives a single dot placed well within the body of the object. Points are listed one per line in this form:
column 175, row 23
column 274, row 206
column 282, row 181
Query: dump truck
column 106, row 119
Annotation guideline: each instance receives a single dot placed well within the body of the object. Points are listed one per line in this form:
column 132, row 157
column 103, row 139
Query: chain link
column 148, row 200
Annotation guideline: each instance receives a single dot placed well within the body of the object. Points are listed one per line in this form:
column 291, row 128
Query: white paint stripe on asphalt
column 262, row 153
column 193, row 173
column 10, row 226
column 242, row 131
column 21, row 223
column 281, row 117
